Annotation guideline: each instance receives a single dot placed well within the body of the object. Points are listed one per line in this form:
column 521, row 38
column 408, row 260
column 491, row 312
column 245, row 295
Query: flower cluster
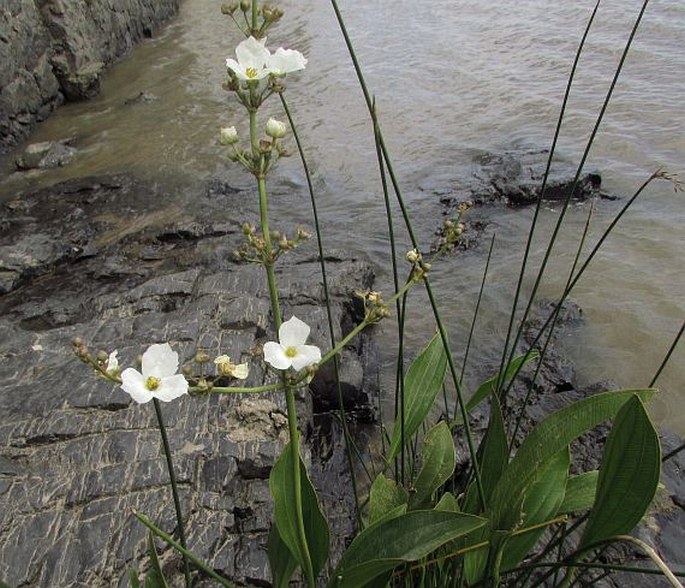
column 256, row 250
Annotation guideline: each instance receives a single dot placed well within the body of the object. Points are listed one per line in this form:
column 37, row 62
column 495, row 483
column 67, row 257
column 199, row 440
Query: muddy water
column 452, row 79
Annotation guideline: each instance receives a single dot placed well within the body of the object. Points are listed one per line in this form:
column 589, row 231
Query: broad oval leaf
column 439, row 462
column 390, row 543
column 282, row 488
column 580, row 493
column 448, row 503
column 628, row 476
column 541, row 503
column 548, row 438
column 384, row 497
column 422, row 382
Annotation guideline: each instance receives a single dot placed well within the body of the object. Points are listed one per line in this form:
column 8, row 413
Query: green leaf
column 628, row 476
column 487, row 387
column 548, row 438
column 282, row 488
column 438, row 464
column 155, row 577
column 580, row 493
column 132, row 579
column 447, row 503
column 422, row 382
column 541, row 503
column 385, row 496
column 390, row 543
column 493, row 456
column 281, row 561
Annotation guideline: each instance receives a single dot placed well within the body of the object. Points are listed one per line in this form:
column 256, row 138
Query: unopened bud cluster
column 105, row 364
column 375, row 309
column 258, row 161
column 267, row 13
column 453, row 229
column 419, row 266
column 256, row 249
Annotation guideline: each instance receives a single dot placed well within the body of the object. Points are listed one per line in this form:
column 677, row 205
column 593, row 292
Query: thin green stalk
column 187, row 555
column 667, row 357
column 598, row 566
column 414, row 241
column 240, row 390
column 550, row 332
column 174, row 488
column 586, row 263
column 538, row 205
column 322, row 261
column 255, row 7
column 564, row 209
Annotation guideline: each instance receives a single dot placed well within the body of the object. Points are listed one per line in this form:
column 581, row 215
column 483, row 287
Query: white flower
column 255, row 61
column 291, row 350
column 159, row 378
column 285, row 61
column 112, row 366
column 275, row 128
column 253, row 58
column 228, row 136
column 227, row 368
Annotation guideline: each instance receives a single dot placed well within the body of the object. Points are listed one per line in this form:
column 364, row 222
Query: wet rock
column 516, row 179
column 76, row 455
column 141, row 98
column 50, row 51
column 46, row 155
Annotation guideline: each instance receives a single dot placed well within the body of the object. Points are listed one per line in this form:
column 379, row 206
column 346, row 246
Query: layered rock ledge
column 104, row 259
column 57, row 50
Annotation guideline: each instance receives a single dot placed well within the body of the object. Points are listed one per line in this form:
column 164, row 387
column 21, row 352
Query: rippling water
column 452, row 79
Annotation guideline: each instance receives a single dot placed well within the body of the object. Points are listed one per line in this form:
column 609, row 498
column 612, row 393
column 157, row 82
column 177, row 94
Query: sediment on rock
column 57, row 50
column 101, row 259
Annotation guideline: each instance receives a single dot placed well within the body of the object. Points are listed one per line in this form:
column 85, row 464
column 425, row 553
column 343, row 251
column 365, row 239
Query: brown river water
column 452, row 79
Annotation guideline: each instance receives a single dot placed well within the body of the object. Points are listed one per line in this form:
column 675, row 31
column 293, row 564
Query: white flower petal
column 253, row 53
column 112, row 366
column 160, row 361
column 306, row 355
column 293, row 332
column 286, row 61
column 133, row 383
column 241, row 371
column 274, row 354
column 171, row 387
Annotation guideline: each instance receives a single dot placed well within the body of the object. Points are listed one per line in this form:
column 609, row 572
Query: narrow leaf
column 580, row 493
column 628, row 476
column 385, row 495
column 487, row 387
column 155, row 577
column 281, row 561
column 493, row 456
column 390, row 543
column 548, row 438
column 282, row 488
column 438, row 464
column 422, row 382
column 132, row 579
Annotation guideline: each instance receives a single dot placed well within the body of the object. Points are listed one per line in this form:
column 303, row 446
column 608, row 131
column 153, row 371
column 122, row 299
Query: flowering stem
column 268, row 262
column 174, row 488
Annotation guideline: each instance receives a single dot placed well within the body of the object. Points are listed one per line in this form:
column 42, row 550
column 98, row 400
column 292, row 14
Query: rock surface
column 102, row 259
column 57, row 49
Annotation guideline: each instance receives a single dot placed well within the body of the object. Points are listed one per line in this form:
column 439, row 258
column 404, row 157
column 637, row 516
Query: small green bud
column 228, row 136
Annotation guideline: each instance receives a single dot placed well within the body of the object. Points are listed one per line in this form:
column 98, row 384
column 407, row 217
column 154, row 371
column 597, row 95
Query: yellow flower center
column 251, row 72
column 152, row 383
column 291, row 352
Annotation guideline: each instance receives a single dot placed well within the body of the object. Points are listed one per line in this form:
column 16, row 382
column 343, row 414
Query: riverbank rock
column 56, row 50
column 46, row 155
column 107, row 260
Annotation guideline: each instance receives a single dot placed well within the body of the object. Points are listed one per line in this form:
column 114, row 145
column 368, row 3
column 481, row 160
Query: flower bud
column 245, row 5
column 202, row 357
column 77, row 342
column 413, row 256
column 275, row 128
column 230, row 7
column 228, row 136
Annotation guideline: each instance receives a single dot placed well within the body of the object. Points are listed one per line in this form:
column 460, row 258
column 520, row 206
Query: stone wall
column 56, row 50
